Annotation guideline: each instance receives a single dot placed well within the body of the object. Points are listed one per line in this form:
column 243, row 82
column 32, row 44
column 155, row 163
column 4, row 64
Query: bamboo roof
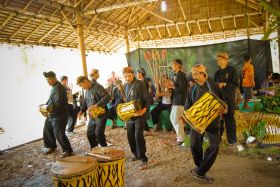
column 108, row 23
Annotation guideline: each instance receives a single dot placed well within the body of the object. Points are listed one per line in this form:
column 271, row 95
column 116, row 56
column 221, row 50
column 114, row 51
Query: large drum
column 95, row 112
column 127, row 110
column 204, row 111
column 78, row 171
column 110, row 166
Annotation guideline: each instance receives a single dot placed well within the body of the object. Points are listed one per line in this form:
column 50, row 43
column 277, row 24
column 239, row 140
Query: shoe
column 143, row 165
column 69, row 134
column 203, row 178
column 134, row 159
column 246, row 107
column 179, row 143
column 66, row 154
column 232, row 147
column 48, row 150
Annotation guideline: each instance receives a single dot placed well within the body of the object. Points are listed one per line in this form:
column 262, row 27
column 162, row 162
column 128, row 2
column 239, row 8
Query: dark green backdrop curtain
column 260, row 53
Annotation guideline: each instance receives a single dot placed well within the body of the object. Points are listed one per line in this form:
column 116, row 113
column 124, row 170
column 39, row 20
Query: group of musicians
column 223, row 85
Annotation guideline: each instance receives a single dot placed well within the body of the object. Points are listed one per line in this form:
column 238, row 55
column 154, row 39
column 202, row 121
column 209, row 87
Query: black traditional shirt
column 137, row 91
column 230, row 77
column 180, row 90
column 197, row 91
column 95, row 95
column 58, row 101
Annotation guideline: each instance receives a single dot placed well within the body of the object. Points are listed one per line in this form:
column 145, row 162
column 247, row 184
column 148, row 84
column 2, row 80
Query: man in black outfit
column 135, row 90
column 95, row 96
column 202, row 161
column 72, row 107
column 179, row 87
column 227, row 79
column 56, row 121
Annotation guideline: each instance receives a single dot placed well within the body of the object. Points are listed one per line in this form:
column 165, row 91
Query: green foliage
column 273, row 25
column 246, row 134
column 258, row 131
column 258, row 107
column 271, row 103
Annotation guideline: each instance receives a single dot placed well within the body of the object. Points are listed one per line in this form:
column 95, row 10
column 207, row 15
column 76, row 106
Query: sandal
column 203, row 178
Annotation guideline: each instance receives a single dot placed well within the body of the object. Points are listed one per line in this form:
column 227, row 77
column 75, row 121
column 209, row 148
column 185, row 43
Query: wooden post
column 81, row 42
column 127, row 42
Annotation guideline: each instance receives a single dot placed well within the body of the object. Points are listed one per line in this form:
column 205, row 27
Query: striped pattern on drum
column 111, row 173
column 202, row 113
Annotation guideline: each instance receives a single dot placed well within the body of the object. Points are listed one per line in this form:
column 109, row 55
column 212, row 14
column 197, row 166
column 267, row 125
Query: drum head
column 105, row 154
column 73, row 166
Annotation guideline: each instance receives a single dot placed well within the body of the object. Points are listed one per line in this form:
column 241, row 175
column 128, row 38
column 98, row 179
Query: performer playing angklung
column 95, row 97
column 203, row 161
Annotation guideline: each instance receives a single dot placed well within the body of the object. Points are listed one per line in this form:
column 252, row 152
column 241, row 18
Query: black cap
column 178, row 61
column 49, row 74
column 141, row 70
column 63, row 77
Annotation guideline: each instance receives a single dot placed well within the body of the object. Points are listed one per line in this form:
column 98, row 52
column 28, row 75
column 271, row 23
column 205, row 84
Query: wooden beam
column 128, row 21
column 77, row 3
column 6, row 21
column 209, row 25
column 168, row 31
column 59, row 33
column 68, row 36
column 159, row 34
column 50, row 31
column 222, row 22
column 26, row 14
column 27, row 5
column 182, row 10
column 81, row 42
column 117, row 6
column 197, row 22
column 91, row 23
column 251, row 5
column 150, row 34
column 67, row 20
column 88, row 5
column 127, row 42
column 6, row 2
column 156, row 15
column 177, row 27
column 18, row 30
column 35, row 30
column 56, row 5
column 194, row 21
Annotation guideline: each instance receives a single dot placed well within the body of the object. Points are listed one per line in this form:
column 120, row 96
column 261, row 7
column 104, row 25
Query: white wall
column 23, row 86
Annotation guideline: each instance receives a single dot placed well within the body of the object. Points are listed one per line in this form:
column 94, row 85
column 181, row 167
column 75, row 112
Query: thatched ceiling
column 107, row 23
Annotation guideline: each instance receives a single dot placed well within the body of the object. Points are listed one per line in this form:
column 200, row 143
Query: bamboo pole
column 127, row 43
column 117, row 6
column 81, row 42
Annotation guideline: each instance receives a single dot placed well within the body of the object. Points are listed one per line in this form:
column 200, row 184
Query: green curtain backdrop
column 260, row 53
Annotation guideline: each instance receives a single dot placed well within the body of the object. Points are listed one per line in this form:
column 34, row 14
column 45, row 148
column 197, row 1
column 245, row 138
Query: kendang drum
column 127, row 110
column 110, row 166
column 95, row 112
column 44, row 110
column 78, row 171
column 204, row 111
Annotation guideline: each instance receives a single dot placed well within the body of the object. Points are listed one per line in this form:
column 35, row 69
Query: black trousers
column 54, row 129
column 230, row 124
column 72, row 117
column 136, row 140
column 112, row 113
column 156, row 111
column 95, row 131
column 205, row 161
